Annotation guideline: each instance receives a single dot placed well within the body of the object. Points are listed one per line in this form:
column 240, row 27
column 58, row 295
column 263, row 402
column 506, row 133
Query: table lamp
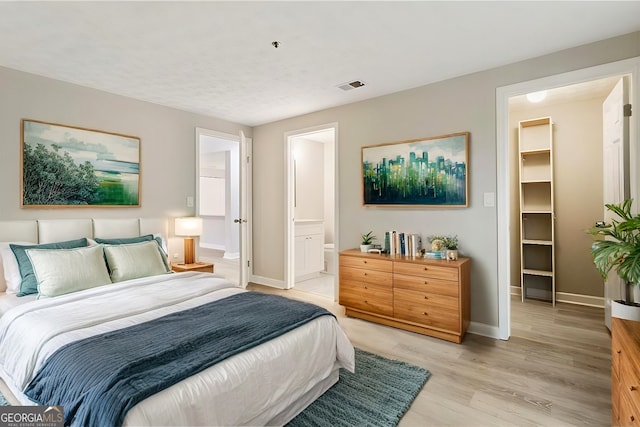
column 189, row 227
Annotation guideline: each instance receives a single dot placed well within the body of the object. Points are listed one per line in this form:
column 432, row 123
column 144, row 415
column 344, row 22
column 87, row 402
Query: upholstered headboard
column 56, row 230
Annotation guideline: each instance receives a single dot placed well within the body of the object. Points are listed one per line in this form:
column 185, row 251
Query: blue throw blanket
column 98, row 379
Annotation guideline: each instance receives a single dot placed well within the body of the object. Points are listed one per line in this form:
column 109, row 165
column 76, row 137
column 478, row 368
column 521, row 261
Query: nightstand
column 205, row 267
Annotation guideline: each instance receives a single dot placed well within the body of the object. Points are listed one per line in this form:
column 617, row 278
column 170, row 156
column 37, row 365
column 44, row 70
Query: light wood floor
column 553, row 371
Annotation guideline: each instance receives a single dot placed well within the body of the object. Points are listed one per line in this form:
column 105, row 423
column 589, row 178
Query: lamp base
column 189, row 250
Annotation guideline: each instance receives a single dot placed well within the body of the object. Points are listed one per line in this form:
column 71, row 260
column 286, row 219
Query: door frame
column 289, row 188
column 245, row 240
column 503, row 151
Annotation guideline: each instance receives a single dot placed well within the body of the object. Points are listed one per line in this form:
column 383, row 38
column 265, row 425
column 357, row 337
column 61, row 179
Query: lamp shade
column 188, row 226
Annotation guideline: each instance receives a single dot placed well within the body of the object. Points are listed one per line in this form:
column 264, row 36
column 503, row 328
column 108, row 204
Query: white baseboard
column 212, row 246
column 578, row 299
column 231, row 255
column 266, row 281
column 570, row 298
column 483, row 329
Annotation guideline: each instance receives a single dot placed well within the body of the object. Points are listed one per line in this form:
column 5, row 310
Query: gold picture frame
column 69, row 166
column 427, row 172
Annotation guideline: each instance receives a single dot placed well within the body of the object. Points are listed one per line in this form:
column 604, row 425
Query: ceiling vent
column 352, row 85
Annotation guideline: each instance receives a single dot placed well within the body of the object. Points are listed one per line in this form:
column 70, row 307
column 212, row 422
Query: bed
column 237, row 380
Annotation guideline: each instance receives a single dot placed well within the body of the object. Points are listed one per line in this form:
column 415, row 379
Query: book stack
column 435, row 255
column 405, row 244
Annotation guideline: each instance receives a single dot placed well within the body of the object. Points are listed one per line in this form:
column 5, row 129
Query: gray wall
column 167, row 164
column 577, row 148
column 461, row 104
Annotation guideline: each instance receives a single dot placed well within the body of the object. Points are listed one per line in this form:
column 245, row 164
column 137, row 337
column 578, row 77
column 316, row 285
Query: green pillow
column 139, row 239
column 125, row 240
column 29, row 283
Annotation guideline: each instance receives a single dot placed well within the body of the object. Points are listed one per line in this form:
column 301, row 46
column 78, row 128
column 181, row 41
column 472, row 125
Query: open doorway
column 576, row 114
column 222, row 197
column 507, row 226
column 311, row 204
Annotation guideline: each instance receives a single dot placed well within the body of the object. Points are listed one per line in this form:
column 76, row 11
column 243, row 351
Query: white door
column 245, row 170
column 228, row 228
column 615, row 133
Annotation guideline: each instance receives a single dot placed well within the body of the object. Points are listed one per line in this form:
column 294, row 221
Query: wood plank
column 553, row 371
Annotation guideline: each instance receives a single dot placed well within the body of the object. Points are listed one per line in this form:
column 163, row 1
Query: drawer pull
column 366, row 287
column 633, row 388
column 632, row 418
column 425, row 313
column 426, row 268
column 618, row 351
column 426, row 297
column 426, row 283
column 364, row 261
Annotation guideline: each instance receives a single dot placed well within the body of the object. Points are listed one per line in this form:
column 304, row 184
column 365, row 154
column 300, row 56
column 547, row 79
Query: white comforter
column 248, row 389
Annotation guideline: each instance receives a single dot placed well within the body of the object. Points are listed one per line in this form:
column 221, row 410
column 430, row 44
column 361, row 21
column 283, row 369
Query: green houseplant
column 618, row 247
column 366, row 241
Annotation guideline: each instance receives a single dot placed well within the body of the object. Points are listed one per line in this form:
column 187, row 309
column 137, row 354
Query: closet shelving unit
column 537, row 217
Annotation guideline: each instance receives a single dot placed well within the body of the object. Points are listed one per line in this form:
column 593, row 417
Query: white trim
column 267, row 281
column 627, row 66
column 231, row 255
column 569, row 298
column 578, row 299
column 212, row 246
column 199, row 132
column 484, row 330
column 289, row 233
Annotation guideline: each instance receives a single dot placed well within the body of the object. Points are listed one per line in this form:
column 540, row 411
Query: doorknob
column 238, row 220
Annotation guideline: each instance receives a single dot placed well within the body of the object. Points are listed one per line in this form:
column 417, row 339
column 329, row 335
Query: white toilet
column 329, row 259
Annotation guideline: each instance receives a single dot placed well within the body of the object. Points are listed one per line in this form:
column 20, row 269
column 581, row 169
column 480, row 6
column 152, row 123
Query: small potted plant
column 620, row 251
column 451, row 243
column 447, row 245
column 366, row 241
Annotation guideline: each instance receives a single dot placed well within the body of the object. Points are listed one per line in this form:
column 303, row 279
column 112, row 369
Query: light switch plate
column 189, row 201
column 489, row 200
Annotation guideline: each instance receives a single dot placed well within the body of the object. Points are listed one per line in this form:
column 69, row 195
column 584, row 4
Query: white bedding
column 251, row 388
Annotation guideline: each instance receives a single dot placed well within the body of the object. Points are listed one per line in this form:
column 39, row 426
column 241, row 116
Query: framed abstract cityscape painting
column 427, row 172
column 67, row 166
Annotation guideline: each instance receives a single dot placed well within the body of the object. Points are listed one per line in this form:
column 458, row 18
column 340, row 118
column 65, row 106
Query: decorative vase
column 624, row 311
column 452, row 254
column 365, row 248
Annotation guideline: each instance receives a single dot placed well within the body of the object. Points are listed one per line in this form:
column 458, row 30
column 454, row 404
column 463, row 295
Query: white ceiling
column 216, row 58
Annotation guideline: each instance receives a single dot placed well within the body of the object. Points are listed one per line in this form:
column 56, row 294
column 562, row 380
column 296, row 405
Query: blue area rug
column 377, row 395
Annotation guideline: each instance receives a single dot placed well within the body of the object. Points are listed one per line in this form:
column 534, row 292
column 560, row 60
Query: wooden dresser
column 427, row 296
column 625, row 372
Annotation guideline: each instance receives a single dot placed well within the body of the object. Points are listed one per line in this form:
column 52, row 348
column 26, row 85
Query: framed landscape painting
column 67, row 166
column 428, row 172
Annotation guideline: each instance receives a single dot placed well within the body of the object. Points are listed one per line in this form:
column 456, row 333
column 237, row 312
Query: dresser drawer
column 616, row 350
column 369, row 263
column 367, row 276
column 628, row 412
column 426, row 270
column 427, row 309
column 426, row 284
column 615, row 399
column 368, row 297
column 629, row 378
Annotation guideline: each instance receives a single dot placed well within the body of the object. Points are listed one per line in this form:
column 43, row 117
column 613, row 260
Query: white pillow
column 61, row 271
column 11, row 275
column 134, row 260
